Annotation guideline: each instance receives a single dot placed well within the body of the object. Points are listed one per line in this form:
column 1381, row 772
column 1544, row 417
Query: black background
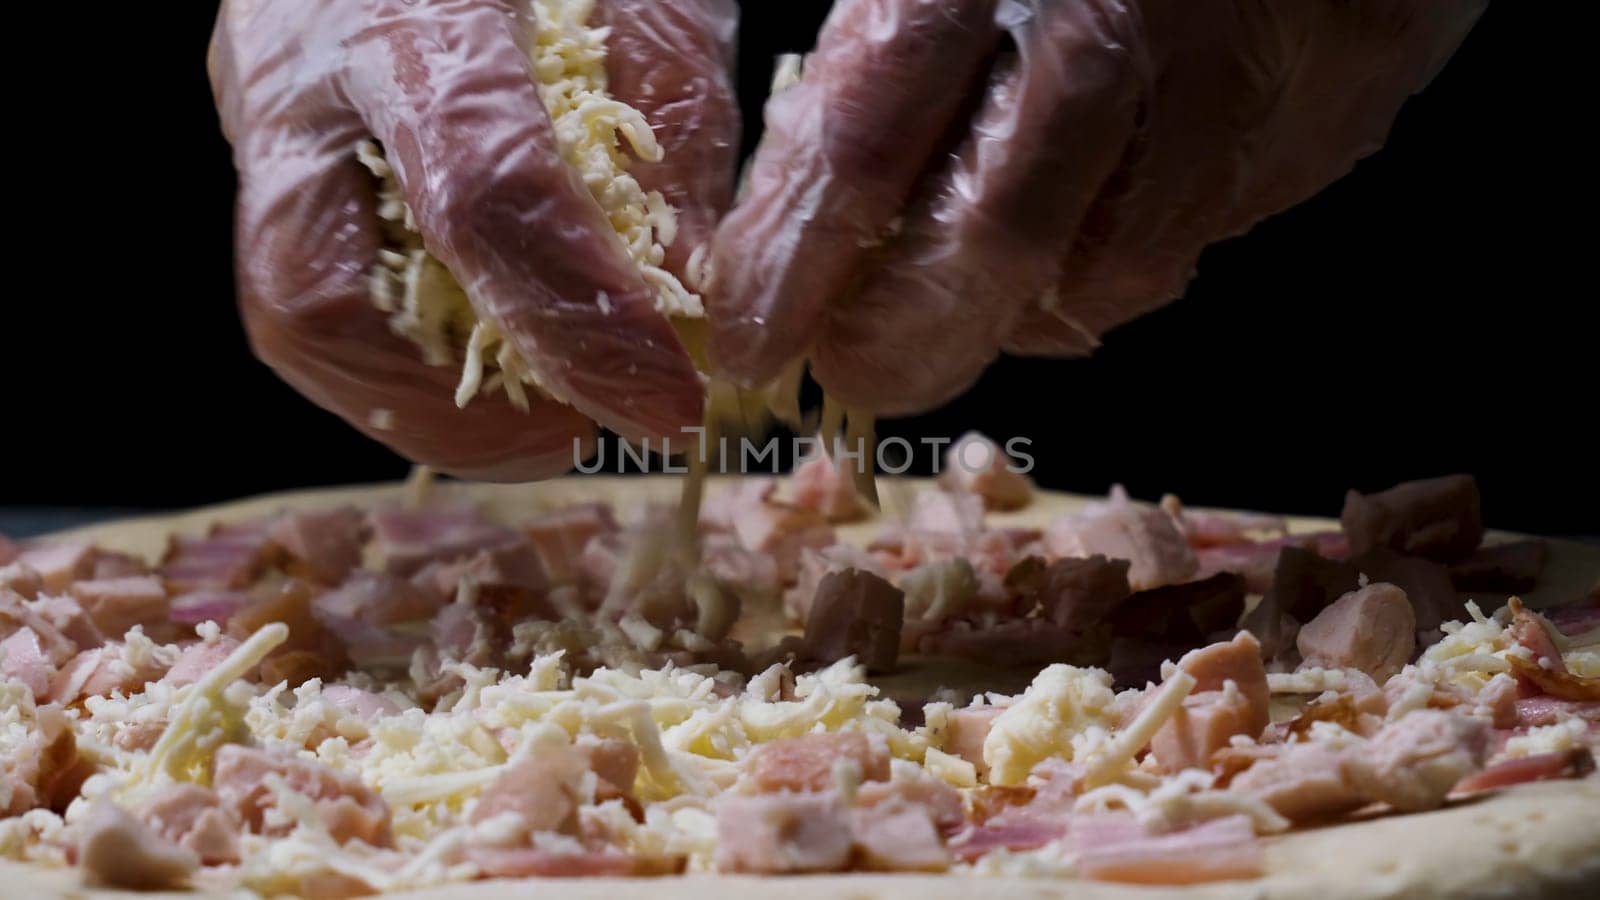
column 1423, row 315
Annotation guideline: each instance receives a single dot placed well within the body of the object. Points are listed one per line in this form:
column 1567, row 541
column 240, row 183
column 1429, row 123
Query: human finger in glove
column 458, row 95
column 930, row 195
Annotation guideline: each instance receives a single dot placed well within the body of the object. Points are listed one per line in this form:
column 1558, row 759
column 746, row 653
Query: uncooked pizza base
column 1534, row 840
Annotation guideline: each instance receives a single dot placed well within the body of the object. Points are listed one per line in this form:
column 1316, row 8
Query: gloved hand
column 447, row 88
column 903, row 246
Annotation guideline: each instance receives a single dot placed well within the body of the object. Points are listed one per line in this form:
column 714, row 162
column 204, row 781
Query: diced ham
column 363, row 703
column 614, row 761
column 512, row 565
column 968, row 728
column 118, row 604
column 1303, row 782
column 70, row 618
column 718, row 510
column 193, row 818
column 819, row 485
column 377, row 598
column 349, row 809
column 773, row 834
column 59, row 565
column 199, row 658
column 322, row 546
column 8, row 550
column 119, row 851
column 1079, row 594
column 896, row 836
column 544, row 787
column 409, row 539
column 98, row 672
column 1120, row 529
column 231, row 556
column 43, row 769
column 807, row 763
column 781, row 532
column 1239, row 661
column 1201, row 727
column 1437, row 518
column 940, row 801
column 1575, row 763
column 560, row 536
column 858, row 614
column 1116, row 848
column 1426, row 583
column 747, row 573
column 976, row 465
column 946, row 513
column 207, row 605
column 1372, row 629
column 23, row 659
column 1414, row 762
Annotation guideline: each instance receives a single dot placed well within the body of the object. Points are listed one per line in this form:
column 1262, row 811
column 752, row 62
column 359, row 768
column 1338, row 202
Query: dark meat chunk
column 1182, row 613
column 1304, row 583
column 858, row 614
column 1503, row 568
column 1078, row 594
column 1427, row 585
column 1437, row 518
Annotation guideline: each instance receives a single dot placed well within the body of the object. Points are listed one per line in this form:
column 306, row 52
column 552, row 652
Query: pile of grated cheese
column 599, row 137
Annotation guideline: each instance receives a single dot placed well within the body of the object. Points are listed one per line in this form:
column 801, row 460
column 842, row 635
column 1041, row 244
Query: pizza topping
column 561, row 535
column 808, row 763
column 1576, row 762
column 1415, row 761
column 855, row 614
column 321, row 546
column 818, row 484
column 1372, row 629
column 118, row 604
column 783, row 833
column 119, row 851
column 1156, row 551
column 229, row 557
column 1507, row 568
column 1117, row 848
column 58, row 565
column 252, row 783
column 976, row 465
column 1437, row 518
column 1304, row 782
column 194, row 818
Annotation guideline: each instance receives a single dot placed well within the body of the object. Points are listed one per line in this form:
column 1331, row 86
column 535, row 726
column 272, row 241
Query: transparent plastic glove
column 1088, row 170
column 446, row 87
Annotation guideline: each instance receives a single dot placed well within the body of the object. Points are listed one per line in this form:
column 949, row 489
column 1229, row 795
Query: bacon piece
column 819, row 485
column 20, row 579
column 1545, row 710
column 1436, row 518
column 118, row 604
column 1015, row 835
column 207, row 605
column 858, row 614
column 119, row 851
column 409, row 539
column 1120, row 529
column 193, row 818
column 514, row 565
column 311, row 650
column 23, row 658
column 746, row 572
column 544, row 787
column 1574, row 620
column 1372, row 629
column 560, row 536
column 782, row 833
column 1116, row 848
column 1414, row 762
column 806, row 763
column 58, row 565
column 230, row 556
column 377, row 598
column 781, row 532
column 322, row 546
column 1575, row 763
column 349, row 809
column 1547, row 672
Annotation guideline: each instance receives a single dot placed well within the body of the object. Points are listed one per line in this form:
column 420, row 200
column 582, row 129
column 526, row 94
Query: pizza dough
column 1534, row 840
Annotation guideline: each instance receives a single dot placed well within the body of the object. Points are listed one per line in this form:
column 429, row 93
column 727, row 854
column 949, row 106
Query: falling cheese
column 599, row 137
